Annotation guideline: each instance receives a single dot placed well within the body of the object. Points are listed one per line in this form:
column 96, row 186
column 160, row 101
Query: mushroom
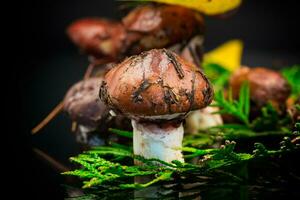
column 95, row 72
column 98, row 37
column 265, row 86
column 158, row 26
column 103, row 40
column 202, row 119
column 84, row 107
column 82, row 104
column 156, row 89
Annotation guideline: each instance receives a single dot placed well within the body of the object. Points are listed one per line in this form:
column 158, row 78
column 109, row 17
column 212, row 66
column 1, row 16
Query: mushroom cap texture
column 98, row 37
column 157, row 84
column 158, row 26
column 83, row 105
column 265, row 85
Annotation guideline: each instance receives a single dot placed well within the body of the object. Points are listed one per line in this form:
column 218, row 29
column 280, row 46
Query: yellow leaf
column 229, row 55
column 208, row 7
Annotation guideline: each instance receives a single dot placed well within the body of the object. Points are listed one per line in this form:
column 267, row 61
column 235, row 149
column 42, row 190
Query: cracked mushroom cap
column 156, row 85
column 160, row 26
column 83, row 105
column 98, row 37
column 265, row 86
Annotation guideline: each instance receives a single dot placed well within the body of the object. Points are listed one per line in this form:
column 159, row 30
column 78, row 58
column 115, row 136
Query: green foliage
column 237, row 108
column 297, row 127
column 270, row 120
column 116, row 151
column 217, row 74
column 292, row 75
column 199, row 140
column 127, row 134
column 98, row 169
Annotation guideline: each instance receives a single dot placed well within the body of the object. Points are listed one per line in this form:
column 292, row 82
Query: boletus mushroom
column 266, row 85
column 156, row 89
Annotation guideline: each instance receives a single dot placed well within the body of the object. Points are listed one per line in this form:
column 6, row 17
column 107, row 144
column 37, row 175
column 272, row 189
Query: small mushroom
column 265, row 86
column 158, row 26
column 202, row 119
column 156, row 89
column 84, row 107
column 92, row 71
column 98, row 37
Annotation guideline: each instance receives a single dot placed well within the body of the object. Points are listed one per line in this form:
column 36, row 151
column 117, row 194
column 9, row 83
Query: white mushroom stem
column 202, row 119
column 153, row 141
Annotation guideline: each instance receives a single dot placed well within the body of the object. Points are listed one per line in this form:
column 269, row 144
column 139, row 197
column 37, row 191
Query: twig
column 89, row 71
column 49, row 117
column 59, row 107
column 54, row 163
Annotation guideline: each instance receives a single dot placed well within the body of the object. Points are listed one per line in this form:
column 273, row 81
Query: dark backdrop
column 269, row 30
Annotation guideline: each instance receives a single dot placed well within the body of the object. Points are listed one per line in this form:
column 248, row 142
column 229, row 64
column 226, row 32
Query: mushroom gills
column 152, row 141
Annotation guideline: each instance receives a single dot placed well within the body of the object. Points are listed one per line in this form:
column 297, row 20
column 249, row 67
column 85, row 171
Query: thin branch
column 54, row 163
column 49, row 117
column 89, row 71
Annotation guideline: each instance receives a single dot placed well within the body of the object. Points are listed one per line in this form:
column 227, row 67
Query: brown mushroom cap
column 265, row 85
column 83, row 104
column 98, row 37
column 156, row 84
column 160, row 26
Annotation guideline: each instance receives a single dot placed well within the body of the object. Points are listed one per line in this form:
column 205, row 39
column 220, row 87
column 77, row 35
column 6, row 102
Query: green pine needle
column 127, row 134
column 237, row 108
column 217, row 74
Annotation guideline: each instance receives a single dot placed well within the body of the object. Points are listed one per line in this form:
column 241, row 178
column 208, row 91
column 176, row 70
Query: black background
column 51, row 64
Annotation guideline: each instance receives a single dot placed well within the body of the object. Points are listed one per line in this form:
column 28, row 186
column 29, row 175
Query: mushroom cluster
column 144, row 28
column 156, row 90
column 152, row 26
column 107, row 42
